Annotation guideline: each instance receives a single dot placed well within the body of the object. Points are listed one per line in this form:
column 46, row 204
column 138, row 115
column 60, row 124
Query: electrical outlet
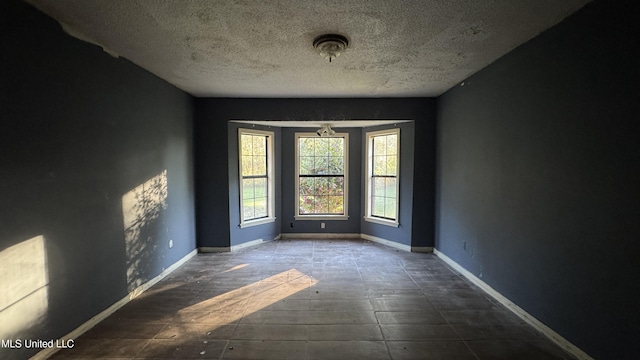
column 321, row 225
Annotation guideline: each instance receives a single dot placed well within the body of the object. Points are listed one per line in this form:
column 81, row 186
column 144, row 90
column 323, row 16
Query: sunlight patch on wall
column 141, row 207
column 24, row 284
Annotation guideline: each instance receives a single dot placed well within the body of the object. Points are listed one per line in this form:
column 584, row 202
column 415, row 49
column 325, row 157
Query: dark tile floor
column 314, row 299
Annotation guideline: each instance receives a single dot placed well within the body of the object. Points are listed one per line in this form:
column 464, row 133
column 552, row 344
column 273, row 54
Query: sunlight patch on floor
column 254, row 297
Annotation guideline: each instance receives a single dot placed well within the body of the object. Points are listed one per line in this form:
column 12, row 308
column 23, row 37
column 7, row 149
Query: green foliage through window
column 383, row 155
column 321, row 175
column 254, row 174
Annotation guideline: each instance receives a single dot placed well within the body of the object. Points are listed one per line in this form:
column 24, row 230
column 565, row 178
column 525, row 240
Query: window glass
column 321, row 175
column 256, row 186
column 383, row 176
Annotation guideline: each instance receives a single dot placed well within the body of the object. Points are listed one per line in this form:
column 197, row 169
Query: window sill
column 251, row 223
column 321, row 217
column 392, row 223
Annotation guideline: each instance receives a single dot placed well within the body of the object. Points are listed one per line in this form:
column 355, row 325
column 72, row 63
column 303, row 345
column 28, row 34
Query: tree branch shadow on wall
column 143, row 208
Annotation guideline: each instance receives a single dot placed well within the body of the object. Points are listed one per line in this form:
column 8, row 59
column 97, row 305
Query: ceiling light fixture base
column 329, row 46
column 325, row 130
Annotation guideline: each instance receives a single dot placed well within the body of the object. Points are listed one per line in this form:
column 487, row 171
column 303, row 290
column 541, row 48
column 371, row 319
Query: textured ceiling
column 236, row 48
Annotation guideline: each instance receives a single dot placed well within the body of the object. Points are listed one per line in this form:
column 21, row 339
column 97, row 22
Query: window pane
column 306, row 186
column 322, row 186
column 321, row 165
column 260, row 145
column 392, row 165
column 259, row 165
column 321, row 205
column 390, row 208
column 392, row 144
column 261, row 207
column 380, row 165
column 322, row 147
column 247, row 165
column 379, row 186
column 306, row 165
column 335, row 165
column 379, row 145
column 390, row 187
column 247, row 189
column 335, row 186
column 306, row 147
column 306, row 204
column 246, row 144
column 378, row 206
column 336, row 204
column 336, row 147
column 260, row 187
column 247, row 210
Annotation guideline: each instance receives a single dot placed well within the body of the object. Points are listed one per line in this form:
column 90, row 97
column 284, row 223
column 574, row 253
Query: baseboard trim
column 386, row 242
column 248, row 244
column 537, row 324
column 47, row 353
column 211, row 249
column 422, row 249
column 332, row 236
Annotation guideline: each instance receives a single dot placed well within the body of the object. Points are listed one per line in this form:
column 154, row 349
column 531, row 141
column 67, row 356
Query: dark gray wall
column 80, row 130
column 403, row 233
column 350, row 226
column 538, row 173
column 211, row 136
column 267, row 231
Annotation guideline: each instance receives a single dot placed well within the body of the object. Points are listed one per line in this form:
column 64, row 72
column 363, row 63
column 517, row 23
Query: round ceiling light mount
column 329, row 46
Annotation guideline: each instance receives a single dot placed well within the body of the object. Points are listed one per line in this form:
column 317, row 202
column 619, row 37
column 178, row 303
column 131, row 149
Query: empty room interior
column 320, row 179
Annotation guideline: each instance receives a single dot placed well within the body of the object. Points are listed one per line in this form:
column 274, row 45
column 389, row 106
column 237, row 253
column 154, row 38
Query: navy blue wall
column 212, row 146
column 538, row 173
column 81, row 130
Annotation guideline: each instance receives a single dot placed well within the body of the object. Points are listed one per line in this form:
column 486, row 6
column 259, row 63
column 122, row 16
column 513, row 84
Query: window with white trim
column 321, row 176
column 256, row 177
column 383, row 176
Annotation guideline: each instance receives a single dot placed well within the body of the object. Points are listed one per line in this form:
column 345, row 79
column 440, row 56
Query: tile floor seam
column 144, row 347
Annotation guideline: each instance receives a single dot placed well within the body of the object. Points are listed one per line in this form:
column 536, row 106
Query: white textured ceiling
column 244, row 48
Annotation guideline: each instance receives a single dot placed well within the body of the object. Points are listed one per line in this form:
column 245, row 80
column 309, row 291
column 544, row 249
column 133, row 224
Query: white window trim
column 297, row 215
column 270, row 180
column 369, row 172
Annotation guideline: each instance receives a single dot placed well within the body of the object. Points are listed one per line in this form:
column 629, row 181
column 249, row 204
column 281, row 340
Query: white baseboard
column 211, row 249
column 537, row 324
column 422, row 249
column 46, row 353
column 319, row 236
column 248, row 244
column 208, row 249
column 336, row 236
column 386, row 242
column 333, row 236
